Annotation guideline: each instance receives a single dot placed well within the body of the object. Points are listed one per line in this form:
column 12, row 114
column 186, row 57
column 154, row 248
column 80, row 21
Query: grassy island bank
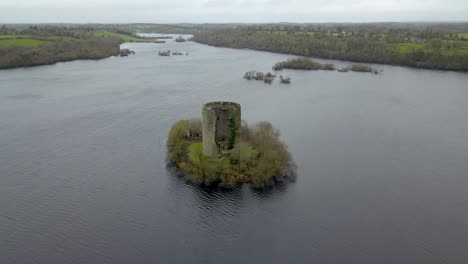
column 257, row 156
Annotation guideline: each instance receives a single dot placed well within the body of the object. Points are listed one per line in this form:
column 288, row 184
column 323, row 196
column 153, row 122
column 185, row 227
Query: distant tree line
column 423, row 49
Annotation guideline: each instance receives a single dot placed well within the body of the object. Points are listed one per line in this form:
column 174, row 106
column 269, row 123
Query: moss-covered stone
column 221, row 124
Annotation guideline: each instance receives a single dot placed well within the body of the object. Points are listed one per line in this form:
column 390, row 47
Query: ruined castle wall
column 210, row 148
column 217, row 124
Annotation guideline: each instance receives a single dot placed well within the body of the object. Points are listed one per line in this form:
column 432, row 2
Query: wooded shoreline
column 35, row 46
column 436, row 51
column 437, row 46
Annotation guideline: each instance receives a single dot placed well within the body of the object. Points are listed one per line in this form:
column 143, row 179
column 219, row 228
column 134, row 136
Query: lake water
column 382, row 163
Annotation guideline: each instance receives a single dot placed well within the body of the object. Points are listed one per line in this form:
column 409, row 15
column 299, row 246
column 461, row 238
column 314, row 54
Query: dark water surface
column 382, row 164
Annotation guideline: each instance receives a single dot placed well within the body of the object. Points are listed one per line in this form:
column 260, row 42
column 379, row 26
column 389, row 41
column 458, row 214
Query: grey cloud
column 169, row 11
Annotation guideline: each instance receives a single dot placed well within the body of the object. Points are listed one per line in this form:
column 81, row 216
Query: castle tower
column 221, row 125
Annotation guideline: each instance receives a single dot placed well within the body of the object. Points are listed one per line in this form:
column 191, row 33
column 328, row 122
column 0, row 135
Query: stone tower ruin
column 221, row 125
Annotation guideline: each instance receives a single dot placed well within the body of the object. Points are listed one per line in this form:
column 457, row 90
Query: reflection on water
column 381, row 163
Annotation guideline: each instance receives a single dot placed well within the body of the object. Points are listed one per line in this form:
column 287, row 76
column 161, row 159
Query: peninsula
column 43, row 45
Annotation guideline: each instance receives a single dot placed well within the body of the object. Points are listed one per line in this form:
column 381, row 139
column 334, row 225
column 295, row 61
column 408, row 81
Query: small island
column 180, row 39
column 126, row 52
column 221, row 150
column 302, row 64
column 308, row 64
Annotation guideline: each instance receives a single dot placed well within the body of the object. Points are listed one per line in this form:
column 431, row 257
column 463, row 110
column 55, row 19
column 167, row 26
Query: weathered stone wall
column 218, row 120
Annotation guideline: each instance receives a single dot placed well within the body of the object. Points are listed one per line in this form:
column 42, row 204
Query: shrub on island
column 302, row 64
column 308, row 64
column 257, row 156
column 361, row 68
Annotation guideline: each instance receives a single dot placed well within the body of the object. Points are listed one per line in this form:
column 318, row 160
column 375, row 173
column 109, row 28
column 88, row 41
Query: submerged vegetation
column 256, row 156
column 260, row 76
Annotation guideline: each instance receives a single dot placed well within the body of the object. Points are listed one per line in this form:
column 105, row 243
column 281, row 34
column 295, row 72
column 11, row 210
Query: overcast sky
column 216, row 11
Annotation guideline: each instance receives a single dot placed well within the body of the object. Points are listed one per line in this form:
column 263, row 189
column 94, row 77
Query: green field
column 463, row 50
column 55, row 38
column 14, row 36
column 22, row 42
column 125, row 38
column 463, row 35
column 30, row 41
column 408, row 47
column 405, row 48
